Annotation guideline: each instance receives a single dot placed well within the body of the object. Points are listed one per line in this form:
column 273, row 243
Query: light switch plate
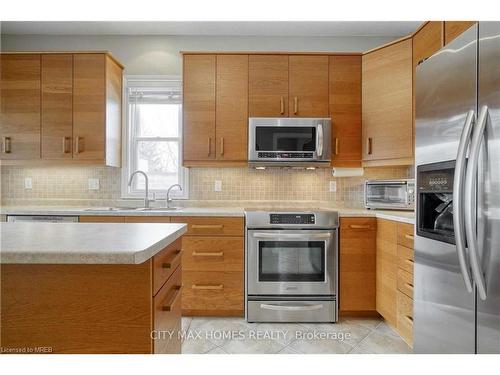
column 218, row 185
column 93, row 184
column 333, row 186
column 28, row 183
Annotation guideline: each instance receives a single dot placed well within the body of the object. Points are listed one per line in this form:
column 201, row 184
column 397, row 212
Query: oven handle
column 319, row 140
column 291, row 236
column 266, row 306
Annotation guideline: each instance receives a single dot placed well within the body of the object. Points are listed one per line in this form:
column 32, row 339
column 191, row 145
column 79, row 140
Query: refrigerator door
column 488, row 310
column 446, row 87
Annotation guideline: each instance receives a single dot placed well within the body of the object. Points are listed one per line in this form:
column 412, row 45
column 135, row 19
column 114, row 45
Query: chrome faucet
column 168, row 193
column 146, row 196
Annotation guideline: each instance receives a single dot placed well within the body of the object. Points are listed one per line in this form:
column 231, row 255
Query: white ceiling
column 304, row 28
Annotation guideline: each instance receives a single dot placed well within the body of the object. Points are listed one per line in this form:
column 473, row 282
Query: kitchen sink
column 155, row 209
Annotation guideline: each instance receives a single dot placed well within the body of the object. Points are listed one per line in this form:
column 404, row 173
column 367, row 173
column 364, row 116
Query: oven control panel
column 292, row 219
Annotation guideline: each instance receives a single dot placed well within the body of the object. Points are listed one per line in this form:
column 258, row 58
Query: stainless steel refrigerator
column 457, row 157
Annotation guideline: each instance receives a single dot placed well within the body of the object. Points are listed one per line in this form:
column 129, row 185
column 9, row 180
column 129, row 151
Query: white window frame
column 129, row 142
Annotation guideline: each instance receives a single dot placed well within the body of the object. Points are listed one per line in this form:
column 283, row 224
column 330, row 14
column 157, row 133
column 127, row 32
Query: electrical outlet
column 333, row 186
column 28, row 183
column 218, row 185
column 93, row 183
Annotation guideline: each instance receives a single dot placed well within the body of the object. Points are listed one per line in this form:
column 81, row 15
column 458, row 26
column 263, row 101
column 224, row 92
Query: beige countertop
column 401, row 216
column 84, row 243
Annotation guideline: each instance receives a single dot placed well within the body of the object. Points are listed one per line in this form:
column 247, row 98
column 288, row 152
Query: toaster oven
column 390, row 194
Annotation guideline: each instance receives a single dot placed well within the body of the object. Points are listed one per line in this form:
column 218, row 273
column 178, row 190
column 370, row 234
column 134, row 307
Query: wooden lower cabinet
column 405, row 317
column 357, row 265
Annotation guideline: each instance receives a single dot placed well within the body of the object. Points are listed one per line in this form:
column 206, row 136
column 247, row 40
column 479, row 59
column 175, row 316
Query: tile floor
column 236, row 336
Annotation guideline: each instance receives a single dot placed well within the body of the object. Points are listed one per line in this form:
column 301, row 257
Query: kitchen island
column 90, row 288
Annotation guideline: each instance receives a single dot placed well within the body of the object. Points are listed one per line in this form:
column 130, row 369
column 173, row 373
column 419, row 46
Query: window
column 153, row 136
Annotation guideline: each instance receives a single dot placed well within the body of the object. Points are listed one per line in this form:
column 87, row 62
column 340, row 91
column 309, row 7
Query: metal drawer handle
column 6, row 145
column 282, row 105
column 295, row 105
column 197, row 226
column 77, row 144
column 359, row 226
column 304, row 237
column 174, row 299
column 266, row 306
column 368, row 146
column 65, row 143
column 207, row 287
column 222, row 146
column 409, row 236
column 336, row 152
column 209, row 145
column 167, row 265
column 208, row 254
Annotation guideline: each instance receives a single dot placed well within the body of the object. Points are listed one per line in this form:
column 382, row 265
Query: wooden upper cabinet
column 232, row 107
column 268, row 86
column 387, row 105
column 308, row 86
column 20, row 106
column 427, row 41
column 345, row 110
column 452, row 29
column 199, row 107
column 89, row 106
column 57, row 106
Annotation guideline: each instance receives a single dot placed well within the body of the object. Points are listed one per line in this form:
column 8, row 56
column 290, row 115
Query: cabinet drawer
column 212, row 226
column 167, row 315
column 405, row 259
column 405, row 318
column 405, row 282
column 405, row 235
column 358, row 224
column 213, row 253
column 212, row 293
column 165, row 263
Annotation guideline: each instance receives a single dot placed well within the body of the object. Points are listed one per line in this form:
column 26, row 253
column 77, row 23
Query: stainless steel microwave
column 289, row 141
column 390, row 194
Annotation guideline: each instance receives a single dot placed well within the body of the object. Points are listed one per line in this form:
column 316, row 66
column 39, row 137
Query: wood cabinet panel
column 57, row 106
column 213, row 254
column 405, row 235
column 147, row 219
column 405, row 258
column 167, row 312
column 20, row 106
column 452, row 29
column 211, row 226
column 213, row 293
column 405, row 317
column 232, row 107
column 427, row 41
column 405, row 282
column 308, row 86
column 89, row 106
column 387, row 104
column 357, row 264
column 386, row 265
column 199, row 107
column 345, row 110
column 113, row 126
column 165, row 263
column 102, row 219
column 268, row 86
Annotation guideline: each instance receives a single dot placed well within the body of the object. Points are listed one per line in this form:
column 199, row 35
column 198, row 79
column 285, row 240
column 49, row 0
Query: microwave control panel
column 292, row 219
column 285, row 155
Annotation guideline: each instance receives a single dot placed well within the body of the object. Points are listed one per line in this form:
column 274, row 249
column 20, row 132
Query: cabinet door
column 20, row 106
column 345, row 110
column 357, row 260
column 308, row 86
column 89, row 106
column 57, row 106
column 199, row 107
column 387, row 103
column 427, row 41
column 452, row 29
column 268, row 86
column 232, row 107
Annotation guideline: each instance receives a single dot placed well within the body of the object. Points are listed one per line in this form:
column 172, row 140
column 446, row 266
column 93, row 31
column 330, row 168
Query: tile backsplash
column 238, row 184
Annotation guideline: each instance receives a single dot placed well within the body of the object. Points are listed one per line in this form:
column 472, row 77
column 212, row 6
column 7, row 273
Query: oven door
column 293, row 262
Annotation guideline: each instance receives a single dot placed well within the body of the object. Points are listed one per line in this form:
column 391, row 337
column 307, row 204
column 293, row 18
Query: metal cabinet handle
column 208, row 254
column 208, row 287
column 209, row 146
column 266, row 306
column 336, row 147
column 368, row 146
column 77, row 144
column 458, row 199
column 168, row 265
column 319, row 140
column 295, row 105
column 292, row 236
column 359, row 226
column 470, row 201
column 222, row 146
column 177, row 293
column 65, row 144
column 282, row 105
column 7, row 145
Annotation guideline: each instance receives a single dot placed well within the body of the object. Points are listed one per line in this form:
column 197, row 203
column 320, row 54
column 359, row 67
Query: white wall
column 160, row 54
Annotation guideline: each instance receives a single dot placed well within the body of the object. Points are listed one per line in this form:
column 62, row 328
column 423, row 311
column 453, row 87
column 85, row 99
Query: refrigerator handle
column 470, row 201
column 458, row 200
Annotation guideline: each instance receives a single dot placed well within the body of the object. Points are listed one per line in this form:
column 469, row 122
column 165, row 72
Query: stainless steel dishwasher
column 42, row 218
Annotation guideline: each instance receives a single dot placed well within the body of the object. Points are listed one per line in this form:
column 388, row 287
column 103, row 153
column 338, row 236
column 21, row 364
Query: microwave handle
column 319, row 140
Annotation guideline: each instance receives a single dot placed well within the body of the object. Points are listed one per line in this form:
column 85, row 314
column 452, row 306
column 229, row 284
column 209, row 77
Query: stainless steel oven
column 292, row 266
column 289, row 141
column 390, row 194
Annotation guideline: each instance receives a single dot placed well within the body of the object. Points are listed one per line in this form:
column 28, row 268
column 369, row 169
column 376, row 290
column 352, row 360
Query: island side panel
column 77, row 308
